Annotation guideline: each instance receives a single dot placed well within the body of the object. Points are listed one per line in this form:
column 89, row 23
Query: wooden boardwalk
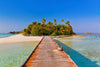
column 47, row 55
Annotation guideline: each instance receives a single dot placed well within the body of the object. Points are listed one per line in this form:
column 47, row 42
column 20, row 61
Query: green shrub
column 48, row 29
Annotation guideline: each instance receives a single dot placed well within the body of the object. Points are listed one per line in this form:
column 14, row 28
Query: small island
column 13, row 32
column 49, row 28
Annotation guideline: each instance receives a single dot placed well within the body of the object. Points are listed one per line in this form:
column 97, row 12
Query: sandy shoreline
column 19, row 38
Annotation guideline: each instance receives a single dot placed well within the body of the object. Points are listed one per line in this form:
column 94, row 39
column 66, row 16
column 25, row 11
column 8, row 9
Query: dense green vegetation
column 50, row 28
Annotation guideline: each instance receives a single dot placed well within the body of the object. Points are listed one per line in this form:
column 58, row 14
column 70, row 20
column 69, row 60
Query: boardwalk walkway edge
column 31, row 53
column 38, row 57
column 65, row 52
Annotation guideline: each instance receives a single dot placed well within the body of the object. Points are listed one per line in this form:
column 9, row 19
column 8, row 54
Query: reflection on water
column 85, row 51
column 15, row 54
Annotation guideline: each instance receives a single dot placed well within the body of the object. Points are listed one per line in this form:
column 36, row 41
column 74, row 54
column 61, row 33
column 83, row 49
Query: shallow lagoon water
column 2, row 35
column 84, row 51
column 15, row 54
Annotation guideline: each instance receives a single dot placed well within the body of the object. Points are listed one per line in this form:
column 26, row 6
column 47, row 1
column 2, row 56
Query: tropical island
column 49, row 28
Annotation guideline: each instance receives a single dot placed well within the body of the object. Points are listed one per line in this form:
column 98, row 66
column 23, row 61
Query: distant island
column 49, row 28
column 14, row 32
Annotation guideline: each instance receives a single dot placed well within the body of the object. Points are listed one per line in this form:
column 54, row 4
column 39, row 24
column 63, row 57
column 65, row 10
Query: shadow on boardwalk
column 78, row 58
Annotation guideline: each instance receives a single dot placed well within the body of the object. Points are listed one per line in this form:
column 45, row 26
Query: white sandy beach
column 19, row 38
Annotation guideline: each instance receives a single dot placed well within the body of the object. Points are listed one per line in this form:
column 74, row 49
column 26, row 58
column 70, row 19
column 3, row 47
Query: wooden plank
column 23, row 65
column 48, row 55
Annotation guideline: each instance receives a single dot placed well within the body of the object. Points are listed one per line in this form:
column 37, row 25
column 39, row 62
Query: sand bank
column 19, row 38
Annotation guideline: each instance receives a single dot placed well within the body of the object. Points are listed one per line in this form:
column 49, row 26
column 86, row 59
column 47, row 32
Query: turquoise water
column 15, row 54
column 84, row 51
column 2, row 35
column 90, row 33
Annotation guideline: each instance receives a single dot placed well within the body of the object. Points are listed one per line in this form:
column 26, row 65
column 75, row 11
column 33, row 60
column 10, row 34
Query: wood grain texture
column 47, row 55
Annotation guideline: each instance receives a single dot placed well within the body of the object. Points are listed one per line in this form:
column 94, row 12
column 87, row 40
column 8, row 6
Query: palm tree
column 34, row 23
column 70, row 29
column 68, row 23
column 25, row 29
column 55, row 21
column 62, row 20
column 39, row 23
column 43, row 20
column 29, row 28
column 50, row 23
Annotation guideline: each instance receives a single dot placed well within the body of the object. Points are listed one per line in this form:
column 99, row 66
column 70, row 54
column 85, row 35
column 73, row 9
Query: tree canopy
column 43, row 20
column 49, row 28
column 62, row 20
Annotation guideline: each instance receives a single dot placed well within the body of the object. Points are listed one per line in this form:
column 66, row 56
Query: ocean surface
column 15, row 54
column 2, row 35
column 90, row 33
column 84, row 51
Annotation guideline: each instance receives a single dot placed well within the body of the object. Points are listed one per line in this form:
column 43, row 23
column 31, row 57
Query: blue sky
column 84, row 15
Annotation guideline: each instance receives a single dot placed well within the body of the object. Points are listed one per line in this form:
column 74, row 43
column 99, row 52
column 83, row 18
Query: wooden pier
column 47, row 54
